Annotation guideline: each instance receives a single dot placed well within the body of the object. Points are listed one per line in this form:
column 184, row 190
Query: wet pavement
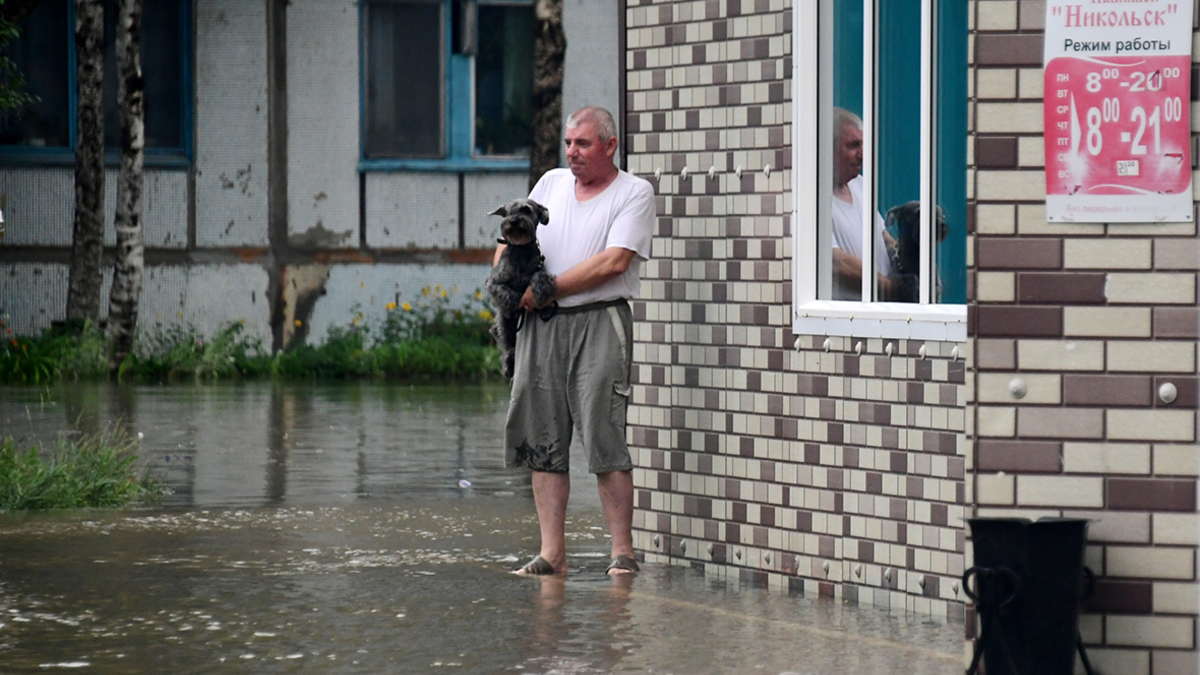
column 368, row 528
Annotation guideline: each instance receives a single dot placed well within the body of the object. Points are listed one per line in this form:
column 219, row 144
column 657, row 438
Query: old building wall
column 823, row 467
column 1091, row 320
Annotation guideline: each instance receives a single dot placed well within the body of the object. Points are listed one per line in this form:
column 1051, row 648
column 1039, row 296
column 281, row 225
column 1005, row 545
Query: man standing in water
column 573, row 364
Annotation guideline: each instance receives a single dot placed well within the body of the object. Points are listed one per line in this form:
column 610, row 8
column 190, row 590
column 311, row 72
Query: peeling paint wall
column 212, row 255
column 322, row 84
column 368, row 288
column 231, row 123
column 412, row 210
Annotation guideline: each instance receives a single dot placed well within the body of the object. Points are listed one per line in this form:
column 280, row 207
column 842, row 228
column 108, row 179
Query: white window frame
column 812, row 188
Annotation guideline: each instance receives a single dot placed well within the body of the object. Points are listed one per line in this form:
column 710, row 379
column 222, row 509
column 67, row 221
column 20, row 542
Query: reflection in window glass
column 161, row 69
column 41, row 55
column 504, row 80
column 404, row 99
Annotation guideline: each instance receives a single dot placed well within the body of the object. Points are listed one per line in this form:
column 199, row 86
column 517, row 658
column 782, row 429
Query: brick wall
column 1092, row 319
column 832, row 469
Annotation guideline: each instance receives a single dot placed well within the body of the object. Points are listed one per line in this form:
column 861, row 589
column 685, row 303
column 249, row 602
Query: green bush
column 94, row 470
column 436, row 336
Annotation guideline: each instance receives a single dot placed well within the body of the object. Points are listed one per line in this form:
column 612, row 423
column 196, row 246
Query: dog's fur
column 521, row 266
column 906, row 257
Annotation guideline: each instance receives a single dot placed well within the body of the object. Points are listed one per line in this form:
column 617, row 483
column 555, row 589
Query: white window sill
column 893, row 320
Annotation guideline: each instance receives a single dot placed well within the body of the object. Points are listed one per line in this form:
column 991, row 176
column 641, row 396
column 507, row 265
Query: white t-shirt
column 621, row 216
column 847, row 235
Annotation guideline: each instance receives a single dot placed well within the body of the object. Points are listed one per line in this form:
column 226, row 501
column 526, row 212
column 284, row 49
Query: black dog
column 906, row 257
column 521, row 266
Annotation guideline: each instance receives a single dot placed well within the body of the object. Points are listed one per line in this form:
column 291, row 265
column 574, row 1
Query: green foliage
column 94, row 470
column 175, row 353
column 437, row 336
column 12, row 82
column 57, row 354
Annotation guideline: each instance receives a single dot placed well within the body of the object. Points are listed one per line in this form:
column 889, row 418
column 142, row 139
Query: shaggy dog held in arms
column 521, row 266
column 906, row 257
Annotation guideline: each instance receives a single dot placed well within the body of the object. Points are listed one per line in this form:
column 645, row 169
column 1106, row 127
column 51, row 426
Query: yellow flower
column 298, row 323
column 443, row 293
column 390, row 306
column 355, row 321
column 485, row 315
column 425, row 291
column 407, row 307
column 478, row 294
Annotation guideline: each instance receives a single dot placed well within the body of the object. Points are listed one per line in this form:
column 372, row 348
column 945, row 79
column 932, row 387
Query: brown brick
column 1019, row 321
column 998, row 152
column 1148, row 494
column 1008, row 50
column 1116, row 390
column 1125, row 597
column 1066, row 288
column 1182, row 322
column 1024, row 456
column 1019, row 254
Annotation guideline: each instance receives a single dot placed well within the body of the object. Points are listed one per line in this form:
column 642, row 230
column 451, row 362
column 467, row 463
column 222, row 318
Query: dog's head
column 907, row 219
column 521, row 218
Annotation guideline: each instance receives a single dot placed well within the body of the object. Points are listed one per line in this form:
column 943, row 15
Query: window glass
column 504, row 80
column 161, row 70
column 898, row 143
column 405, row 75
column 891, row 157
column 41, row 55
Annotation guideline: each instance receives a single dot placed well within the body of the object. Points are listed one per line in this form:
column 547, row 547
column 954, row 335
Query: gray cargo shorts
column 571, row 375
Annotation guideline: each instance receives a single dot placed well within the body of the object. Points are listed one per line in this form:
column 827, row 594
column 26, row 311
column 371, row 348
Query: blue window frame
column 446, row 85
column 44, row 132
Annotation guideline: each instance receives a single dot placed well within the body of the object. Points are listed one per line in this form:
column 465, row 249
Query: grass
column 91, row 471
column 435, row 337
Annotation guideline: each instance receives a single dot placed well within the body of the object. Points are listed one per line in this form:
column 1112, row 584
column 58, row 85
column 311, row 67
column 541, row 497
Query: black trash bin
column 1028, row 579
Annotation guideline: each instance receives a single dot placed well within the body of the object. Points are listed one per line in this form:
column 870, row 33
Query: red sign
column 1117, row 112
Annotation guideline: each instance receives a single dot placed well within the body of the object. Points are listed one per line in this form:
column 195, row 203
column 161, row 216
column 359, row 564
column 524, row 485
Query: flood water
column 368, row 528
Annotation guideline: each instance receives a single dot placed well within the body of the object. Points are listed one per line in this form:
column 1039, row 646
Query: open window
column 880, row 168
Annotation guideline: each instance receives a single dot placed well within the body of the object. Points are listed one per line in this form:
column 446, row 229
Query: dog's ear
column 500, row 211
column 543, row 213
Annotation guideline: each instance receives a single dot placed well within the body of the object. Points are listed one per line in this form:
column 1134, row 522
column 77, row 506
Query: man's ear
column 500, row 211
column 611, row 147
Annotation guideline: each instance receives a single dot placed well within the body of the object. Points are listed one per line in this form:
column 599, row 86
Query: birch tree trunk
column 127, row 272
column 83, row 286
column 549, row 47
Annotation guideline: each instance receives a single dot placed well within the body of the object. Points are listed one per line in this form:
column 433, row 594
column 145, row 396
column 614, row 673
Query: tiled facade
column 1094, row 319
column 832, row 469
column 845, row 467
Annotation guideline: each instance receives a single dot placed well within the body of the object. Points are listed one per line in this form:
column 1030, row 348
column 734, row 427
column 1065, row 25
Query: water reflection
column 324, row 529
column 265, row 443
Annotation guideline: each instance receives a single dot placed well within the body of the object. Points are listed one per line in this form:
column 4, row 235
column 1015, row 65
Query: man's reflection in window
column 847, row 214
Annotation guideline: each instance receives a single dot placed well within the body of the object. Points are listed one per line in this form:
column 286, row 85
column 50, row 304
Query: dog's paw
column 544, row 286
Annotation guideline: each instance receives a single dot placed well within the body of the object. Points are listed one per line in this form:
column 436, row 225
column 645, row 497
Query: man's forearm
column 591, row 273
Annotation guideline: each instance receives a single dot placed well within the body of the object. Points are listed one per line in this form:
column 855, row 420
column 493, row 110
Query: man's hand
column 527, row 301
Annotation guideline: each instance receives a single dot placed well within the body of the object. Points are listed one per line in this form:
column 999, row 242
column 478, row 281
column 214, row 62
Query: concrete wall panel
column 322, row 75
column 592, row 64
column 32, row 295
column 164, row 208
column 231, row 123
column 39, row 205
column 368, row 288
column 484, row 192
column 412, row 210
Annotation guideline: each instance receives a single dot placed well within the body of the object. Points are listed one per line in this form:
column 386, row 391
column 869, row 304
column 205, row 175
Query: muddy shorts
column 571, row 376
